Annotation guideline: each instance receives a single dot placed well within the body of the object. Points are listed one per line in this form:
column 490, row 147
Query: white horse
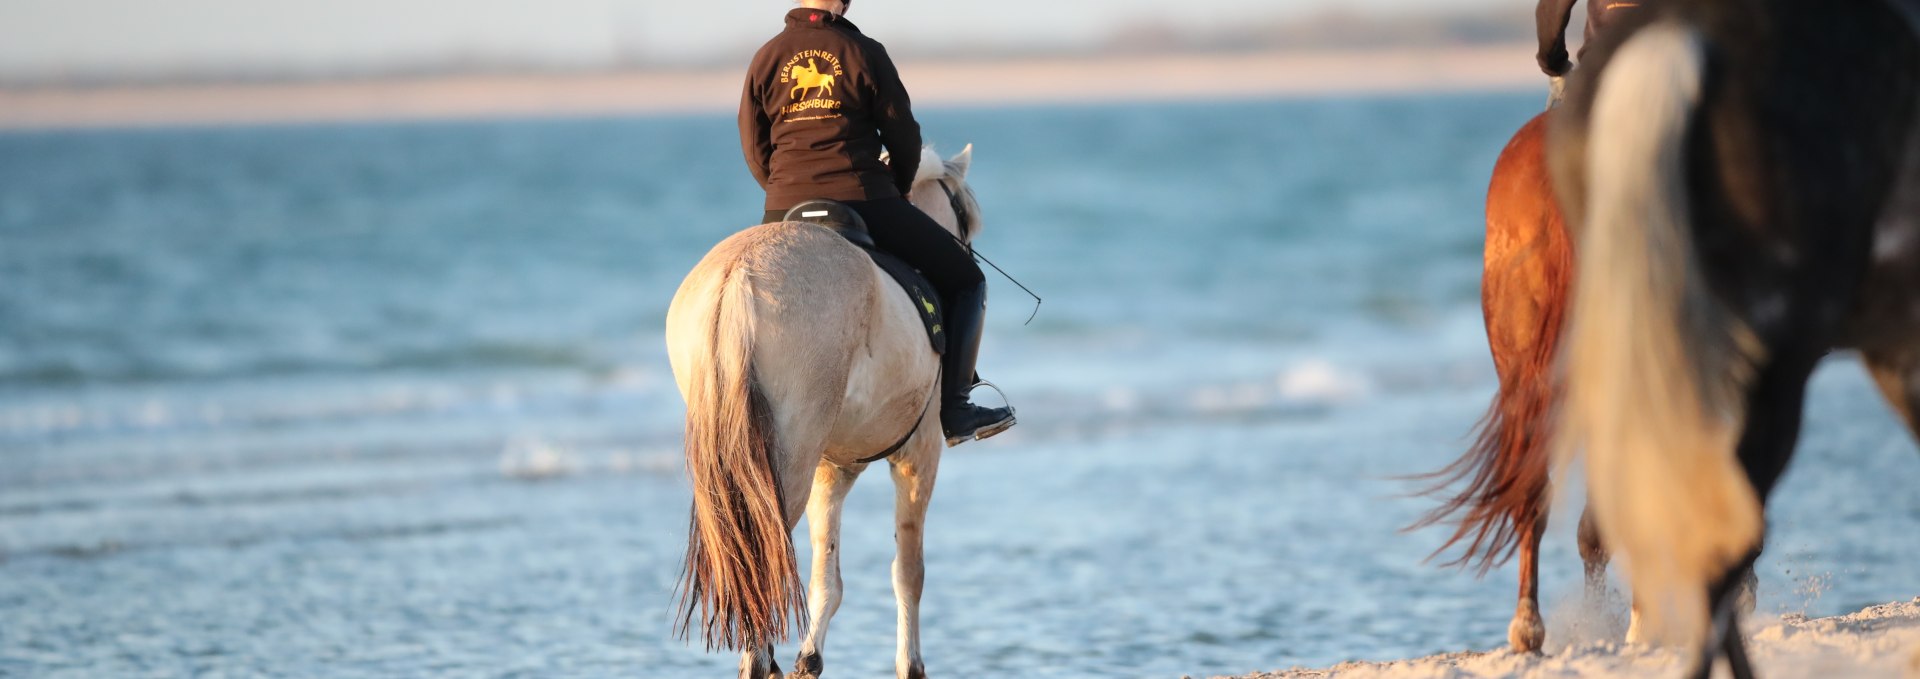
column 798, row 359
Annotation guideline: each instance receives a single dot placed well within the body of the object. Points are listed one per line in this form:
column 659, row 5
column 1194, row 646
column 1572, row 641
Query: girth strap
column 902, row 443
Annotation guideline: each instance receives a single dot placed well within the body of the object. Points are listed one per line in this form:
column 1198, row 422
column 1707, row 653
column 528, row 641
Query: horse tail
column 1655, row 363
column 740, row 581
column 1505, row 472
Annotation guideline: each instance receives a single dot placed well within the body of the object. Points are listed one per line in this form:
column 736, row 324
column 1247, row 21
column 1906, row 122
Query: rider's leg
column 904, row 231
column 962, row 420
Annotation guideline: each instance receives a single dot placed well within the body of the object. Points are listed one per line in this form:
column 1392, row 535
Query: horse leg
column 1898, row 375
column 797, row 494
column 1774, row 407
column 830, row 486
column 1724, row 636
column 1593, row 553
column 1527, row 633
column 913, row 475
column 759, row 664
column 801, row 441
column 1594, row 557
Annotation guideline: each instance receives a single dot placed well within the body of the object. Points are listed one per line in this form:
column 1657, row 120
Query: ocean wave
column 136, row 369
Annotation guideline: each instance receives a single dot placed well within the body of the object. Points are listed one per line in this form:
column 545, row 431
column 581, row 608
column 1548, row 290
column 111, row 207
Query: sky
column 50, row 39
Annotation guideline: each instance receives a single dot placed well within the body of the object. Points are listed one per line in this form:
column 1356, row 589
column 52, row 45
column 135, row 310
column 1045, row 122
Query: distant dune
column 935, row 84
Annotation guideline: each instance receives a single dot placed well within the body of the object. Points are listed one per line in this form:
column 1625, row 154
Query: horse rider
column 1551, row 18
column 821, row 100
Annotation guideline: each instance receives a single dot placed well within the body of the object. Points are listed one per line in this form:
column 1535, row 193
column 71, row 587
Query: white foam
column 1320, row 381
column 531, row 459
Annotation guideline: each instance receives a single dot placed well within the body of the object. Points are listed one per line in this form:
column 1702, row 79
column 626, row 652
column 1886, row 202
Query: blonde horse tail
column 1656, row 365
column 741, row 583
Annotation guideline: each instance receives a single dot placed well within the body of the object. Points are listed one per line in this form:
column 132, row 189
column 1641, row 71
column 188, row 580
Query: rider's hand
column 1554, row 64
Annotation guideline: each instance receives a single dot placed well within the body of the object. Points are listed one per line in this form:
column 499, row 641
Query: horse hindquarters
column 752, row 337
column 809, row 327
column 740, row 575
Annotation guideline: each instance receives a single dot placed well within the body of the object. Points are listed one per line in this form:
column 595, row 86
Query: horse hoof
column 1526, row 634
column 1748, row 597
column 808, row 666
column 915, row 671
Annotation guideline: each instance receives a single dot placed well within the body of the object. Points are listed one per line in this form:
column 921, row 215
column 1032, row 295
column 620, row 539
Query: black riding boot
column 959, row 417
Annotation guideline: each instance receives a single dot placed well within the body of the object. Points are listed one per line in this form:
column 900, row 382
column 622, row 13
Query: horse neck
column 928, row 196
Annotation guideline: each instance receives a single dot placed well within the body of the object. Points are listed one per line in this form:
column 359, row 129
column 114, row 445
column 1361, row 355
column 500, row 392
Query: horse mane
column 932, row 166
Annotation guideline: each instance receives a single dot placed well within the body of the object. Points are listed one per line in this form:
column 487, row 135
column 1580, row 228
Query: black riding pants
column 902, row 230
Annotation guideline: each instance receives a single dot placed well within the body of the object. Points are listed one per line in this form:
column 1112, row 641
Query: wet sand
column 935, row 84
column 1881, row 641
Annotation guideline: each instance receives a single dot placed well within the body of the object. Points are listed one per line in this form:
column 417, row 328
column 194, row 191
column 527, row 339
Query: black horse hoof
column 807, row 667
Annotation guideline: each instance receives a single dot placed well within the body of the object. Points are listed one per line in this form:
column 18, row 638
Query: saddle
column 848, row 223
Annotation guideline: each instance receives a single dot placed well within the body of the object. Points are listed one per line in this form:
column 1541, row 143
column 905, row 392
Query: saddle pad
column 919, row 291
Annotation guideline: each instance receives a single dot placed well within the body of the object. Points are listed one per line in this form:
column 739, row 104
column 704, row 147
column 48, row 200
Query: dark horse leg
column 1593, row 553
column 1594, row 558
column 1774, row 407
column 1726, row 624
column 1898, row 375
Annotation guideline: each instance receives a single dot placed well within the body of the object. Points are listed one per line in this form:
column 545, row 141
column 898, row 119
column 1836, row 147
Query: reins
column 960, row 213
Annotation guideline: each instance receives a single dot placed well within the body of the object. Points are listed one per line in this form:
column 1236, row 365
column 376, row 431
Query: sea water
column 392, row 399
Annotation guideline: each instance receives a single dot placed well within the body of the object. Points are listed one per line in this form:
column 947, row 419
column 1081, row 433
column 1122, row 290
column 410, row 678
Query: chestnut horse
column 1501, row 503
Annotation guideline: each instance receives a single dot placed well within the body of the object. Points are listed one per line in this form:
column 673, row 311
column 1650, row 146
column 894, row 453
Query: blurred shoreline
column 935, row 84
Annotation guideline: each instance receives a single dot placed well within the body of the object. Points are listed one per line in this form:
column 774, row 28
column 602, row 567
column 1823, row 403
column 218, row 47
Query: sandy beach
column 1881, row 641
column 617, row 93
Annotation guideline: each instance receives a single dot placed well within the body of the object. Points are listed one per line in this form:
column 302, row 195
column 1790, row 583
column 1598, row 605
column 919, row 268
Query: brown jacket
column 821, row 100
column 1552, row 16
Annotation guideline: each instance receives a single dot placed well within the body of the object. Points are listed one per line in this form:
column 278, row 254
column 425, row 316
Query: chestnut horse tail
column 1505, row 473
column 1502, row 479
column 741, row 582
column 1657, row 365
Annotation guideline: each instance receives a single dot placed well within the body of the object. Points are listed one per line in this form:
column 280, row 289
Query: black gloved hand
column 1554, row 63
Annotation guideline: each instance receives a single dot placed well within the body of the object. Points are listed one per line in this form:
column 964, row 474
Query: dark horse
column 1501, row 501
column 1742, row 181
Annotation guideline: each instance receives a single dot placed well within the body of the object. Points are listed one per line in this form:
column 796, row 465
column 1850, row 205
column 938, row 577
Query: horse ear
column 961, row 161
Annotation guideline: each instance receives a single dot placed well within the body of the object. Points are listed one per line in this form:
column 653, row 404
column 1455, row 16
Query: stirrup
column 990, row 430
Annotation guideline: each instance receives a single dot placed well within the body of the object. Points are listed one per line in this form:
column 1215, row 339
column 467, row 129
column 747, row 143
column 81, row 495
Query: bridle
column 959, row 212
